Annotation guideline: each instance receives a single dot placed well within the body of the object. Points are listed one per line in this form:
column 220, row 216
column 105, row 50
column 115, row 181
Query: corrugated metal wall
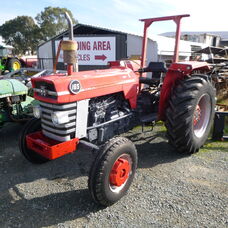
column 134, row 48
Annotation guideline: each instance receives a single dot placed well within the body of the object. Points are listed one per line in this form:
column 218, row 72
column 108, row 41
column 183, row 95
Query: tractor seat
column 157, row 68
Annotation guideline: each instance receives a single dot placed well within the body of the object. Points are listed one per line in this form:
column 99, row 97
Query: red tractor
column 93, row 107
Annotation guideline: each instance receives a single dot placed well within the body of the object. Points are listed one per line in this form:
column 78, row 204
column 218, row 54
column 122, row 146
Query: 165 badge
column 74, row 87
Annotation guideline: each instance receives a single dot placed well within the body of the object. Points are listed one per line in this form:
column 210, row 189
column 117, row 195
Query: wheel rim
column 16, row 66
column 120, row 172
column 202, row 115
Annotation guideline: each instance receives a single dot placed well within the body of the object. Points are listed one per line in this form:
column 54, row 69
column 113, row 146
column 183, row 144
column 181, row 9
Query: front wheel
column 113, row 171
column 190, row 113
column 31, row 126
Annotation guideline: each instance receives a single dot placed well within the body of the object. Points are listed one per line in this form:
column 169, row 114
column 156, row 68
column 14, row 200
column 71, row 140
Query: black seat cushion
column 156, row 67
column 149, row 81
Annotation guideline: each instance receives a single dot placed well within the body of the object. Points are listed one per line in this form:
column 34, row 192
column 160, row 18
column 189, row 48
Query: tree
column 22, row 33
column 25, row 35
column 52, row 21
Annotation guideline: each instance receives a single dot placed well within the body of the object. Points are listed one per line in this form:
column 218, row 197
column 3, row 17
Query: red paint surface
column 120, row 172
column 94, row 83
column 49, row 148
column 29, row 62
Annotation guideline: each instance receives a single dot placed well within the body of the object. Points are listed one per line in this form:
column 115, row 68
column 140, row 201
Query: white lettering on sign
column 93, row 50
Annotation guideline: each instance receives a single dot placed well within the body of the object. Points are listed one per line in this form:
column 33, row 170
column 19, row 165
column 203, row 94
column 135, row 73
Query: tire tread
column 180, row 110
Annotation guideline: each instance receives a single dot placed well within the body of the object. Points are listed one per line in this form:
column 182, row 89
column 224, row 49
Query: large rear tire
column 31, row 126
column 190, row 113
column 14, row 64
column 113, row 171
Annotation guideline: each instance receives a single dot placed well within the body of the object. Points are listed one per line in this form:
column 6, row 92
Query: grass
column 226, row 126
column 210, row 145
column 222, row 97
column 215, row 145
column 159, row 127
column 222, row 100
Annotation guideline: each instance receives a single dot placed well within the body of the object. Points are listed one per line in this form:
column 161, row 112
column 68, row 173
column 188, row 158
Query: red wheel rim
column 197, row 115
column 120, row 172
column 201, row 116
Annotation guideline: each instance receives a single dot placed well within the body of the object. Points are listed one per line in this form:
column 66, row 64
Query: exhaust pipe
column 69, row 48
column 70, row 25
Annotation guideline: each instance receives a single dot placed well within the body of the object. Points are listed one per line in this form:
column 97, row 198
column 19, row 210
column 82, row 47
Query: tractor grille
column 63, row 132
column 45, row 89
column 48, row 86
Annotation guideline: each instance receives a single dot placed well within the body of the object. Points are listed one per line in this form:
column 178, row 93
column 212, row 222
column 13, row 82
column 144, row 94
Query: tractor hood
column 82, row 85
column 12, row 87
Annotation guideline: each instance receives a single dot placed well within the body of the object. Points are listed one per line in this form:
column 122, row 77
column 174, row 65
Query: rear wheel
column 14, row 64
column 113, row 171
column 31, row 126
column 190, row 113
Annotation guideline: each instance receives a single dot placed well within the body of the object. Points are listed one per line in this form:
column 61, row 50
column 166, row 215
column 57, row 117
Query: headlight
column 60, row 117
column 37, row 111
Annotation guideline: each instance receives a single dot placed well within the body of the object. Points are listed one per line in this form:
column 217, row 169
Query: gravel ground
column 169, row 190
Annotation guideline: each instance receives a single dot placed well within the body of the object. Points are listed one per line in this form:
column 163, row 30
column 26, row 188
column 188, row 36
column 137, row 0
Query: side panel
column 82, row 118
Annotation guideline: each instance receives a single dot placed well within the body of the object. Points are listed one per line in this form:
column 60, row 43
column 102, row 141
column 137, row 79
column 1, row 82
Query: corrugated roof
column 88, row 29
column 222, row 34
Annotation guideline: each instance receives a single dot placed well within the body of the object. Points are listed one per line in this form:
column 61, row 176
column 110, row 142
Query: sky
column 124, row 15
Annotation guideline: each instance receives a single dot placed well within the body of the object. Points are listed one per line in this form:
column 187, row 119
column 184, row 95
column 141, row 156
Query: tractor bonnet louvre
column 61, row 132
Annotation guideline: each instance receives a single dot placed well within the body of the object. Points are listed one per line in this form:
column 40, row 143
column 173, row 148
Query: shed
column 96, row 46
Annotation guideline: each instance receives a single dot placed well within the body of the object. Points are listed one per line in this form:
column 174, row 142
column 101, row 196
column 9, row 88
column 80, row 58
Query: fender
column 176, row 72
column 12, row 87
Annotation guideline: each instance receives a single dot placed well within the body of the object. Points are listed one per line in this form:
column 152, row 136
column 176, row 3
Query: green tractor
column 15, row 104
column 7, row 61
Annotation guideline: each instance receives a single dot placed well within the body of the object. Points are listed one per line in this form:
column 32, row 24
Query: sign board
column 93, row 50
